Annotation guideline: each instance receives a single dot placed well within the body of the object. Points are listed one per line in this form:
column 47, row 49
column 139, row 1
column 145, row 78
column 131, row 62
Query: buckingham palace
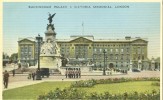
column 86, row 50
column 117, row 53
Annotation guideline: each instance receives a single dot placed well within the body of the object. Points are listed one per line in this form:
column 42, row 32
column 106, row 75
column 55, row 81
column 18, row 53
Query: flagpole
column 83, row 28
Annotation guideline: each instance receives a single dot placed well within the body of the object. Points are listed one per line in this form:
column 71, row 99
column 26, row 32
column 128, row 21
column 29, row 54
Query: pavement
column 21, row 80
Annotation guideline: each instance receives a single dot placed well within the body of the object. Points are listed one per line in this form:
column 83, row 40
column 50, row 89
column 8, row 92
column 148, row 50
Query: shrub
column 92, row 82
column 156, row 83
column 75, row 94
column 88, row 83
column 67, row 93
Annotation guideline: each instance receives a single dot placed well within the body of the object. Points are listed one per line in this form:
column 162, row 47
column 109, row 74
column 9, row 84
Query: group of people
column 73, row 73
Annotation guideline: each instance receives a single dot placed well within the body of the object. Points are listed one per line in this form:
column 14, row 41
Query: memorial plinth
column 49, row 54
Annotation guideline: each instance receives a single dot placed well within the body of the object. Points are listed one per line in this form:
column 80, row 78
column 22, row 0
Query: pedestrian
column 5, row 78
column 13, row 72
column 76, row 72
column 73, row 72
column 33, row 75
column 79, row 73
column 66, row 73
column 70, row 73
column 29, row 76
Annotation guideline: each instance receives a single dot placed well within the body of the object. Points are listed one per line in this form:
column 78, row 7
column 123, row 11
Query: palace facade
column 117, row 53
column 27, row 51
column 85, row 50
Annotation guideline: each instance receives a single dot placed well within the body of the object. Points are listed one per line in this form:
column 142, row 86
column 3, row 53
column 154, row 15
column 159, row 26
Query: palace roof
column 91, row 38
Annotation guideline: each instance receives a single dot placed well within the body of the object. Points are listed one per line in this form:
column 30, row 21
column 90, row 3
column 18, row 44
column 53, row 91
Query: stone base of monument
column 51, row 62
column 54, row 72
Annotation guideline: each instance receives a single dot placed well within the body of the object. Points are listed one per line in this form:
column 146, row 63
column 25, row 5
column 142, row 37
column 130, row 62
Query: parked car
column 44, row 72
column 135, row 70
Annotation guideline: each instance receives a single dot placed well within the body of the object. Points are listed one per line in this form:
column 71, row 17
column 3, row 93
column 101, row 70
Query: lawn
column 32, row 91
column 120, row 88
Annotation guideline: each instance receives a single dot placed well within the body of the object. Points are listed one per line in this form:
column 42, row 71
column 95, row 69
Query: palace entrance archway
column 111, row 65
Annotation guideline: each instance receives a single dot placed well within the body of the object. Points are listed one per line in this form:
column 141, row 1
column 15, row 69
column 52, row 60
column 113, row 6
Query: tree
column 14, row 57
column 5, row 56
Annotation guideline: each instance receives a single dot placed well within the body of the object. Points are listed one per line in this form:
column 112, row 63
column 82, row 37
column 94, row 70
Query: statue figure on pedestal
column 50, row 18
column 50, row 53
column 50, row 26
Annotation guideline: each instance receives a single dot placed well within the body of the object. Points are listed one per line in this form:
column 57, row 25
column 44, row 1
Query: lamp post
column 38, row 73
column 26, row 60
column 104, row 63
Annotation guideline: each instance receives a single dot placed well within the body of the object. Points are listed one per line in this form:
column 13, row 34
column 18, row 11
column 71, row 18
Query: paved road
column 20, row 80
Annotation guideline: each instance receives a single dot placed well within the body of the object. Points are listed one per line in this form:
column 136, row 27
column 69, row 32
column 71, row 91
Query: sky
column 136, row 20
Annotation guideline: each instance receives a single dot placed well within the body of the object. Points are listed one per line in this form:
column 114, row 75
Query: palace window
column 121, row 50
column 22, row 56
column 30, row 48
column 143, row 57
column 139, row 50
column 100, row 50
column 116, row 50
column 142, row 50
column 111, row 50
column 134, row 57
column 139, row 57
column 111, row 56
column 22, row 49
column 29, row 56
column 94, row 50
column 122, row 57
column 116, row 57
column 127, row 57
column 127, row 49
column 25, row 49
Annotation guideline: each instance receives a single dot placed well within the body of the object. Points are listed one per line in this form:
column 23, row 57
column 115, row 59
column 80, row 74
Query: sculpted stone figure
column 51, row 17
column 49, row 48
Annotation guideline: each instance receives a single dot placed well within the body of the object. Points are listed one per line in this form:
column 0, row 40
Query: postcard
column 81, row 50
